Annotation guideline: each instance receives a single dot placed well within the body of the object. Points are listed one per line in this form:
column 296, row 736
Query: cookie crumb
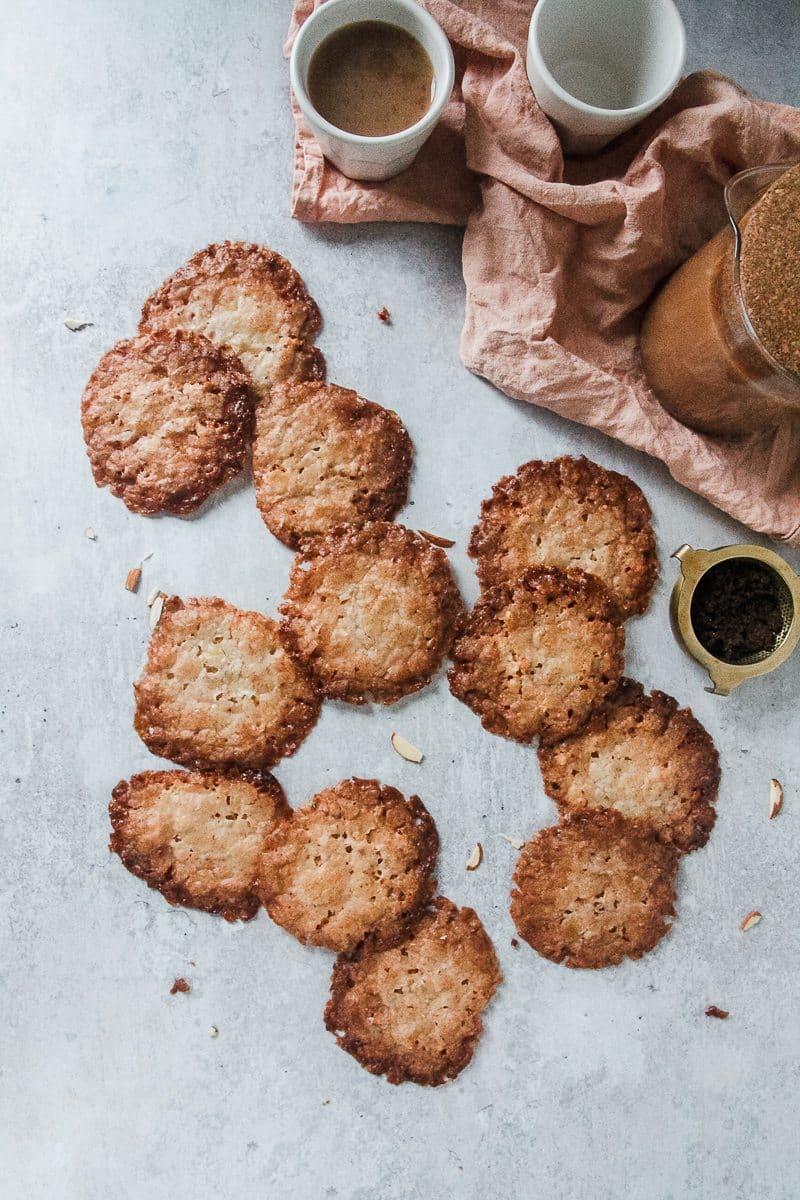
column 515, row 943
column 180, row 985
column 720, row 1013
column 384, row 315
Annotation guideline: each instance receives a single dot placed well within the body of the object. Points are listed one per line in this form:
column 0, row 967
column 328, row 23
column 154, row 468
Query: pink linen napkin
column 560, row 256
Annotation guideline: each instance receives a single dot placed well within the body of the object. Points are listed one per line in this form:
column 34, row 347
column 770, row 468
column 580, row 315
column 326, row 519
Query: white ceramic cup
column 597, row 67
column 372, row 157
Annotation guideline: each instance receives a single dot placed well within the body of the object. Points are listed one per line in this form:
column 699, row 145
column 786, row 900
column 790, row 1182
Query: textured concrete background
column 135, row 133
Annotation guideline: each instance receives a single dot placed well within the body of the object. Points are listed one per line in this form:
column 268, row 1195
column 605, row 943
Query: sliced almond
column 750, row 920
column 476, row 858
column 75, row 326
column 517, row 843
column 90, row 533
column 435, row 540
column 155, row 610
column 132, row 579
column 775, row 797
column 403, row 747
column 153, row 595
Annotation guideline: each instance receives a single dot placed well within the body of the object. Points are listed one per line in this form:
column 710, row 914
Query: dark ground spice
column 736, row 610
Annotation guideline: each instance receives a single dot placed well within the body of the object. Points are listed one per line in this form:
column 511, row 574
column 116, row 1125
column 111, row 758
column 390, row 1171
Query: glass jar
column 702, row 357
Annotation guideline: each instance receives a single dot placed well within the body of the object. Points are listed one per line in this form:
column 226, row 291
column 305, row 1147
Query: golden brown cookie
column 219, row 690
column 536, row 657
column 413, row 1011
column 594, row 890
column 197, row 837
column 357, row 859
column 569, row 513
column 167, row 418
column 371, row 611
column 644, row 757
column 249, row 298
column 324, row 457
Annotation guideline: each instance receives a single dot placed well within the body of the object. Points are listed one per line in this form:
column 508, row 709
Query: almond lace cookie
column 249, row 298
column 197, row 837
column 569, row 513
column 325, row 457
column 594, row 890
column 413, row 1011
column 357, row 859
column 644, row 757
column 371, row 612
column 219, row 690
column 536, row 657
column 167, row 419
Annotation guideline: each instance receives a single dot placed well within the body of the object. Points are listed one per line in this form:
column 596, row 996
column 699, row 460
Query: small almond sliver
column 132, row 579
column 90, row 534
column 750, row 920
column 155, row 611
column 775, row 798
column 517, row 843
column 403, row 747
column 476, row 858
column 152, row 596
column 436, row 540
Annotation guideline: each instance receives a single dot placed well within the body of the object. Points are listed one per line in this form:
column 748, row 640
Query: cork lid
column 769, row 268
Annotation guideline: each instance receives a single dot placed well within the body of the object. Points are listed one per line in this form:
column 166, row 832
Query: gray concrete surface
column 133, row 134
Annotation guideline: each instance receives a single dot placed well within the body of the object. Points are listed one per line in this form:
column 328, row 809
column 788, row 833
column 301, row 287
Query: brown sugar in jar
column 721, row 341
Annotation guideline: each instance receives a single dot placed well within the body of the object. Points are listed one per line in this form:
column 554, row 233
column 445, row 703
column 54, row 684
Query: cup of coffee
column 600, row 66
column 371, row 78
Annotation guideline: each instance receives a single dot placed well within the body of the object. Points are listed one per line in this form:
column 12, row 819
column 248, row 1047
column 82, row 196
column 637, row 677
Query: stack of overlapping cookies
column 224, row 360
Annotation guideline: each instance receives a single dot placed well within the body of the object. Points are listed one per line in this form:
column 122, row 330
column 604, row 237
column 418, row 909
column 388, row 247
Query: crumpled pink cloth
column 559, row 257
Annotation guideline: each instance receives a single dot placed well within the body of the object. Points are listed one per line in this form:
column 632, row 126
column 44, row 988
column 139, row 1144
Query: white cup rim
column 447, row 79
column 637, row 110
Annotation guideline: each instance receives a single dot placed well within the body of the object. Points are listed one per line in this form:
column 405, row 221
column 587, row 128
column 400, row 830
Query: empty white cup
column 356, row 156
column 597, row 67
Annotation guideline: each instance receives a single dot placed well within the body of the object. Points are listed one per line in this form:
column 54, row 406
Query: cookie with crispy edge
column 536, row 657
column 594, row 890
column 167, row 418
column 358, row 859
column 218, row 688
column 249, row 298
column 644, row 757
column 197, row 837
column 569, row 513
column 325, row 457
column 371, row 611
column 413, row 1011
